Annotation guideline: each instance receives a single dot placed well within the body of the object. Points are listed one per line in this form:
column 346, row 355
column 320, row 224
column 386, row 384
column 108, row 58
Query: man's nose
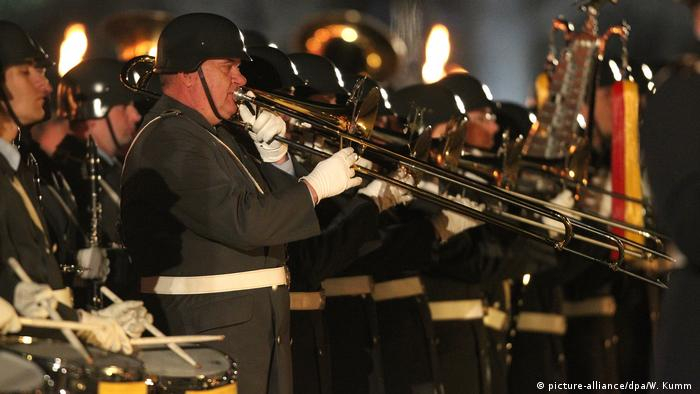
column 238, row 78
column 43, row 85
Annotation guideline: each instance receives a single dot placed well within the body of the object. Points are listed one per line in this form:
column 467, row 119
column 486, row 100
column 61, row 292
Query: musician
column 23, row 233
column 348, row 225
column 194, row 204
column 98, row 106
column 450, row 272
column 349, row 312
column 670, row 139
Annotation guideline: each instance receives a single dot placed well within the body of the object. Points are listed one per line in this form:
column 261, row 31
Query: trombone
column 354, row 123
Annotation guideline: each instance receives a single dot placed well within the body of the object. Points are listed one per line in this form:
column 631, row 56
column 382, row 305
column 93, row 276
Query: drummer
column 22, row 225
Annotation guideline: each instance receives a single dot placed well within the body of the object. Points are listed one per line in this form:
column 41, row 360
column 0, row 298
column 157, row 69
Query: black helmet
column 320, row 74
column 90, row 89
column 254, row 38
column 440, row 103
column 16, row 47
column 514, row 118
column 473, row 93
column 270, row 69
column 190, row 39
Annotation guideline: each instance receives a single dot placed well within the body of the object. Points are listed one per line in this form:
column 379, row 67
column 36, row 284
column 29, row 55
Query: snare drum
column 65, row 370
column 168, row 373
column 17, row 375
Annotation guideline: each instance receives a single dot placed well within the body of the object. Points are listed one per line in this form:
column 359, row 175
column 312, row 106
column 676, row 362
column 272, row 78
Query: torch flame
column 73, row 47
column 437, row 51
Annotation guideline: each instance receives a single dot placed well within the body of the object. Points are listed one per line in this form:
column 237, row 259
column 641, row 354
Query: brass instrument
column 354, row 124
column 356, row 43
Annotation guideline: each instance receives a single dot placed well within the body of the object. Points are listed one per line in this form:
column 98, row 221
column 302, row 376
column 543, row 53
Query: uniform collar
column 10, row 153
column 168, row 103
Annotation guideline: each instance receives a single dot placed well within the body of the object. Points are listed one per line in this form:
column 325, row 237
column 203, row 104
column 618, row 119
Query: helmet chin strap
column 117, row 145
column 10, row 110
column 203, row 80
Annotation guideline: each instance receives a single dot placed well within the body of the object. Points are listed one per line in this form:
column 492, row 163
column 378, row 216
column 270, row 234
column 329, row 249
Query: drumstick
column 154, row 330
column 70, row 335
column 55, row 324
column 175, row 339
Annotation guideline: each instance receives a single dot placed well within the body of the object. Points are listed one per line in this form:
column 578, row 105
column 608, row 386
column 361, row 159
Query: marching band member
column 22, row 226
column 205, row 224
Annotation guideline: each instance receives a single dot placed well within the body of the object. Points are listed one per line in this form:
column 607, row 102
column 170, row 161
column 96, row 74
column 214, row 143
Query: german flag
column 625, row 168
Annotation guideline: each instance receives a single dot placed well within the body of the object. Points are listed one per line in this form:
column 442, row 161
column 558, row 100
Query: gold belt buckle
column 287, row 276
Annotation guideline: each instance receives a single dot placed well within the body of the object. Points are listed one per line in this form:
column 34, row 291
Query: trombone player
column 206, row 224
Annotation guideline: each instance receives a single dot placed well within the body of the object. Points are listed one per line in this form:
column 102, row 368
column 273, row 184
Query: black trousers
column 591, row 350
column 311, row 363
column 462, row 349
column 409, row 359
column 354, row 345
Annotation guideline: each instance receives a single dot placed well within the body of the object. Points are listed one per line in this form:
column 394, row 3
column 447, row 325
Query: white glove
column 264, row 128
column 93, row 263
column 334, row 175
column 109, row 335
column 386, row 195
column 565, row 198
column 9, row 322
column 131, row 316
column 34, row 300
column 449, row 223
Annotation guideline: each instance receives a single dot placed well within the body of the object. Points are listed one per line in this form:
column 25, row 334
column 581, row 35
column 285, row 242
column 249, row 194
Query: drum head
column 162, row 362
column 51, row 354
column 19, row 375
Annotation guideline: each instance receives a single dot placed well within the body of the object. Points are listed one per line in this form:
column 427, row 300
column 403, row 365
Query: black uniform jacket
column 22, row 239
column 188, row 207
column 70, row 159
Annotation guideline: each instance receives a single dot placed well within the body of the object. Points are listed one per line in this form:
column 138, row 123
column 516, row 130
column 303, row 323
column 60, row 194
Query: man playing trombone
column 207, row 224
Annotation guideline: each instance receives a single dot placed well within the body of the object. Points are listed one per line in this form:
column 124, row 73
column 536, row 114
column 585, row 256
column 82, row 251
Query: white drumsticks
column 70, row 335
column 155, row 331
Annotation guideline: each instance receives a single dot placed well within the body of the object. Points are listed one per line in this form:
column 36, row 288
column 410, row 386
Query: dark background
column 503, row 42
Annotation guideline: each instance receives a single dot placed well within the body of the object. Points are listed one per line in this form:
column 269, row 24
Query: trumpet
column 354, row 124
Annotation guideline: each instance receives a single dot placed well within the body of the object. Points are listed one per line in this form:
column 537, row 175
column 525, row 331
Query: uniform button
column 278, row 340
column 607, row 343
column 375, row 340
column 509, row 346
column 320, row 352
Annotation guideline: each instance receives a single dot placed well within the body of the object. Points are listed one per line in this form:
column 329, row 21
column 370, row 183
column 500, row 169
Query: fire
column 143, row 47
column 73, row 47
column 437, row 52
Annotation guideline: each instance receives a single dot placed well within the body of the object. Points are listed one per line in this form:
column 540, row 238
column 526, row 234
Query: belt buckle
column 287, row 276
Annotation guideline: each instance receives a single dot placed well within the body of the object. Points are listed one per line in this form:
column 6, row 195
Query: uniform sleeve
column 184, row 177
column 670, row 143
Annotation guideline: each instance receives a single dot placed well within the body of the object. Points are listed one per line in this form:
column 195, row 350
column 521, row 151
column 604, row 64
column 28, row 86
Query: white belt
column 348, row 286
column 306, row 301
column 542, row 323
column 206, row 284
column 457, row 310
column 496, row 319
column 398, row 288
column 598, row 306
